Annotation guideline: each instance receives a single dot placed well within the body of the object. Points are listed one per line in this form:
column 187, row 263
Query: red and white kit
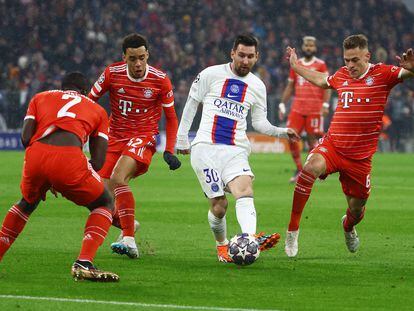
column 306, row 108
column 136, row 108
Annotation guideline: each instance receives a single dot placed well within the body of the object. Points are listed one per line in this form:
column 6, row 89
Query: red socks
column 295, row 151
column 301, row 195
column 352, row 220
column 96, row 228
column 13, row 224
column 125, row 207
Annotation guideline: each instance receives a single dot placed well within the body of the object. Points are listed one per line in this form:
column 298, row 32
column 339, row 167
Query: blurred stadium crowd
column 41, row 39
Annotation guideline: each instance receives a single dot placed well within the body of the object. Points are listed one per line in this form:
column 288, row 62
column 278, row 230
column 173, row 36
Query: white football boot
column 137, row 226
column 291, row 243
column 351, row 238
column 127, row 245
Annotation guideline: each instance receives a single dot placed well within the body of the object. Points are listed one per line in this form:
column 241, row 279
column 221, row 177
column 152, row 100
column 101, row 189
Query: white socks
column 246, row 215
column 219, row 228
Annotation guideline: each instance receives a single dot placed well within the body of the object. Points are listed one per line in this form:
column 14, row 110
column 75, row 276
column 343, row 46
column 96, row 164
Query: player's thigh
column 207, row 165
column 296, row 121
column 34, row 183
column 141, row 149
column 113, row 153
column 314, row 125
column 237, row 175
column 323, row 159
column 76, row 180
column 355, row 178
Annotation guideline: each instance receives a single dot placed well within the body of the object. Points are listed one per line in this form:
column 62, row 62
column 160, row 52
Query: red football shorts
column 141, row 149
column 354, row 175
column 312, row 123
column 65, row 168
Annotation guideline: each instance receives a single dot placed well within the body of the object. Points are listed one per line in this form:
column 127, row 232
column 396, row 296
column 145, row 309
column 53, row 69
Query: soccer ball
column 244, row 249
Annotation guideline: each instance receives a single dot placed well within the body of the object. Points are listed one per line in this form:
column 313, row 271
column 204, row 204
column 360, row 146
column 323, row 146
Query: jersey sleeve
column 392, row 74
column 199, row 88
column 103, row 125
column 292, row 75
column 332, row 80
column 32, row 109
column 167, row 94
column 101, row 86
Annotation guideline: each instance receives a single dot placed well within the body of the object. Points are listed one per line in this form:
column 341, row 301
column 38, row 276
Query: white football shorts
column 217, row 165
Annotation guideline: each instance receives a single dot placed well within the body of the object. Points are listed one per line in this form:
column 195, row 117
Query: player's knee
column 27, row 207
column 315, row 165
column 104, row 200
column 117, row 180
column 219, row 207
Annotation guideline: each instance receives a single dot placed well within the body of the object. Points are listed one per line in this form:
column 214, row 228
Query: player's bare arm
column 29, row 128
column 315, row 77
column 325, row 105
column 97, row 148
column 406, row 61
column 287, row 93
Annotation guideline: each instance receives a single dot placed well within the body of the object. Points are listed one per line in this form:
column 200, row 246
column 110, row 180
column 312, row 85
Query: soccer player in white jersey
column 220, row 150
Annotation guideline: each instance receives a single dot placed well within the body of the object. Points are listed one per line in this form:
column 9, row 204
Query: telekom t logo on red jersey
column 348, row 97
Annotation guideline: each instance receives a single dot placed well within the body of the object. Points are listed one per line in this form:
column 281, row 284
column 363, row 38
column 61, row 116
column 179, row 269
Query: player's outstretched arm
column 406, row 61
column 314, row 77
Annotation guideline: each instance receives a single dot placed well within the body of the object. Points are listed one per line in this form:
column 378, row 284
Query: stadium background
column 40, row 40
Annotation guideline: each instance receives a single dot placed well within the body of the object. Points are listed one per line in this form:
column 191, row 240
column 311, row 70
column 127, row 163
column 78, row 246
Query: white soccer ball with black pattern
column 244, row 249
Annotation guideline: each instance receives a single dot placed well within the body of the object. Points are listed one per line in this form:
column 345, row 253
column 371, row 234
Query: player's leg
column 314, row 130
column 356, row 185
column 241, row 188
column 217, row 221
column 123, row 172
column 314, row 167
column 354, row 214
column 14, row 223
column 207, row 162
column 238, row 178
column 297, row 122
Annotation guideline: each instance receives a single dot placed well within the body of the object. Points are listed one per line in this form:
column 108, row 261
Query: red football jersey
column 136, row 104
column 308, row 97
column 69, row 111
column 356, row 124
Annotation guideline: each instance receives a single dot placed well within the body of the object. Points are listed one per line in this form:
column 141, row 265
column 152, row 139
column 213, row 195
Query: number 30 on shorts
column 211, row 175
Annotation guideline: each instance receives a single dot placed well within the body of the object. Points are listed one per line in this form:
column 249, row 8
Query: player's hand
column 325, row 111
column 291, row 133
column 292, row 56
column 407, row 60
column 183, row 151
column 171, row 160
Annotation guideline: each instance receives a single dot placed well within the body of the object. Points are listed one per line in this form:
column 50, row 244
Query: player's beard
column 309, row 54
column 241, row 71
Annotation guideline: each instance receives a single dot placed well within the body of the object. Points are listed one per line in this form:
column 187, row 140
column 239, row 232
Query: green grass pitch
column 178, row 266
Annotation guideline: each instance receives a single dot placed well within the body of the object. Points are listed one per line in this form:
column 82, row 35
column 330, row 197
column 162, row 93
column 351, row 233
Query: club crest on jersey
column 369, row 81
column 148, row 93
column 214, row 187
column 234, row 89
column 101, row 78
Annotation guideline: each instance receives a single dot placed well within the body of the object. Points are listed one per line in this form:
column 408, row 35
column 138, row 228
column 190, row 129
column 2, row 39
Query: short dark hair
column 247, row 40
column 75, row 81
column 356, row 41
column 134, row 40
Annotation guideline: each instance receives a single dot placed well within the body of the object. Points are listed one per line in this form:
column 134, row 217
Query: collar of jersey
column 365, row 73
column 140, row 79
column 309, row 62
